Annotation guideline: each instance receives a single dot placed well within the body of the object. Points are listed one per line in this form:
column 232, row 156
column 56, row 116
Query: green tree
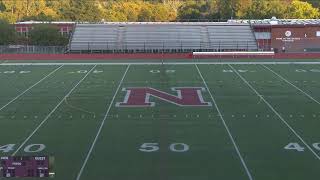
column 7, row 33
column 140, row 11
column 40, row 17
column 2, row 7
column 302, row 10
column 47, row 35
column 162, row 13
column 194, row 10
column 146, row 15
column 261, row 9
column 315, row 3
column 154, row 10
column 16, row 10
column 242, row 8
column 82, row 10
column 227, row 8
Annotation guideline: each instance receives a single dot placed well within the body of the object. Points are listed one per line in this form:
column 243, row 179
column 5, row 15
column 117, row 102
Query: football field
column 171, row 121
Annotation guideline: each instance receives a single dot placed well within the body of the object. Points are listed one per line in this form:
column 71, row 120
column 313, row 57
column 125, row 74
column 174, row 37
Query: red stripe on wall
column 150, row 56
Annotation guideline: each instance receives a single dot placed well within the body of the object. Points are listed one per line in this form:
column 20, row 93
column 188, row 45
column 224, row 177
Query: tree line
column 155, row 10
column 12, row 11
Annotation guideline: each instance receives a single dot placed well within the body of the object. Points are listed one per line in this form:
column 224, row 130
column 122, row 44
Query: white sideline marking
column 226, row 127
column 155, row 63
column 101, row 126
column 268, row 53
column 281, row 77
column 276, row 112
column 30, row 87
column 54, row 109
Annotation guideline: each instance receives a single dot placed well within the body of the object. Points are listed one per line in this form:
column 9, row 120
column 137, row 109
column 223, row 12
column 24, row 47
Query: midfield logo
column 140, row 97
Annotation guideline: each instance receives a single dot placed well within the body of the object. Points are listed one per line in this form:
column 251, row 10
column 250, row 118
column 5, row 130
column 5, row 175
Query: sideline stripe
column 54, row 109
column 280, row 117
column 226, row 127
column 281, row 77
column 101, row 126
column 31, row 87
column 154, row 63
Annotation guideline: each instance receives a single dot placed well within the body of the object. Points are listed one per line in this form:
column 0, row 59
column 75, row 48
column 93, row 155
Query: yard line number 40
column 31, row 148
column 297, row 147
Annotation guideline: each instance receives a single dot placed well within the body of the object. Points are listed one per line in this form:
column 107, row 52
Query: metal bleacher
column 162, row 37
column 235, row 37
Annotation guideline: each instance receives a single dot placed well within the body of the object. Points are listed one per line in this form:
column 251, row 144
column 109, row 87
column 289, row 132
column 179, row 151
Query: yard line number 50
column 174, row 147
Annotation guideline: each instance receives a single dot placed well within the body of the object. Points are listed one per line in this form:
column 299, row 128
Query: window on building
column 318, row 34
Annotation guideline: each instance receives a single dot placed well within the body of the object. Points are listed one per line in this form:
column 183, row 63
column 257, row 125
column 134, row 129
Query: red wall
column 92, row 56
column 149, row 56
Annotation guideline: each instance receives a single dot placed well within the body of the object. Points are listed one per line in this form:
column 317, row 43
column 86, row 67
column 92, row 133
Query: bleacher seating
column 235, row 37
column 172, row 37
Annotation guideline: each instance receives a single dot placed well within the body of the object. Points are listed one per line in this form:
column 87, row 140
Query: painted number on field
column 34, row 148
column 7, row 148
column 297, row 147
column 149, row 147
column 239, row 70
column 294, row 146
column 85, row 72
column 31, row 148
column 174, row 147
column 14, row 72
column 179, row 147
column 308, row 70
column 155, row 71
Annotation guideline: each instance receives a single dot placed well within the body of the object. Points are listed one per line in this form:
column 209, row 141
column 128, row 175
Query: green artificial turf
column 263, row 123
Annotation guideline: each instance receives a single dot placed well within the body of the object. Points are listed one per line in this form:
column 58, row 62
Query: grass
column 261, row 115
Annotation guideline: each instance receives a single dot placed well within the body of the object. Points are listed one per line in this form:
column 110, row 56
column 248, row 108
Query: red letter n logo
column 140, row 97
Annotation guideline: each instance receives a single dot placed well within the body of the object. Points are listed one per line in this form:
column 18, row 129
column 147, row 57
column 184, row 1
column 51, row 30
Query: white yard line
column 281, row 77
column 276, row 112
column 30, row 87
column 101, row 126
column 53, row 110
column 153, row 63
column 227, row 128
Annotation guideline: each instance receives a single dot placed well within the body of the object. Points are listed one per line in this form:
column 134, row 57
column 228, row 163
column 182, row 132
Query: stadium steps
column 121, row 34
column 205, row 40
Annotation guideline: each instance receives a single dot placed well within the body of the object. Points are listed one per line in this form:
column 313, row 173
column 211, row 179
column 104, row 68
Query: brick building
column 287, row 35
column 24, row 27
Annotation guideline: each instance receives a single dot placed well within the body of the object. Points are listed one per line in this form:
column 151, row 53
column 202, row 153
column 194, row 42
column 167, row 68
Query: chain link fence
column 23, row 49
column 161, row 47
